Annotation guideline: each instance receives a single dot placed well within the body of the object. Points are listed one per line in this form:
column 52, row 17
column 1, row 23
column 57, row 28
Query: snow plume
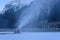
column 12, row 7
column 17, row 3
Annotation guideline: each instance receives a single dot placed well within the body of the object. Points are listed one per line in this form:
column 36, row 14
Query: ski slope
column 32, row 36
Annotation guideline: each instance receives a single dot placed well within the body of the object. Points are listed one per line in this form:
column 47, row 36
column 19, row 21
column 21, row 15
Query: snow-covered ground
column 32, row 36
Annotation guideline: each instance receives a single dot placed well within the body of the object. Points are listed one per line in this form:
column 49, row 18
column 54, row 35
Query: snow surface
column 32, row 36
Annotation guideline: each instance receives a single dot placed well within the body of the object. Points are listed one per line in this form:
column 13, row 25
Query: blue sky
column 2, row 3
